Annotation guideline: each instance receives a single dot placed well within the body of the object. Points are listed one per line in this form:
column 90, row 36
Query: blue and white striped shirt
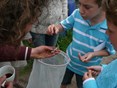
column 85, row 39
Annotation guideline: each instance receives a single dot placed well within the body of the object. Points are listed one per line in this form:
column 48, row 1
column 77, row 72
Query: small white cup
column 8, row 71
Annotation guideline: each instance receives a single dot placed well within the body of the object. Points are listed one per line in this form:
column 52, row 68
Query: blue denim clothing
column 44, row 39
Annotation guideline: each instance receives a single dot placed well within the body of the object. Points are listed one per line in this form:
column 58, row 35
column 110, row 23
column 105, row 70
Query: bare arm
column 101, row 53
column 90, row 55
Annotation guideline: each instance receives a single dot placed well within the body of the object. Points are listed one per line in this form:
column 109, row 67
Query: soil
column 23, row 80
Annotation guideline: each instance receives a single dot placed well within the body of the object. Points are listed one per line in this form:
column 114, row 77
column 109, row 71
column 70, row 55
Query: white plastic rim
column 63, row 54
column 7, row 69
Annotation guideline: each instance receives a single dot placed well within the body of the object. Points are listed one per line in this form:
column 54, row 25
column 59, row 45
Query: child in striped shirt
column 89, row 41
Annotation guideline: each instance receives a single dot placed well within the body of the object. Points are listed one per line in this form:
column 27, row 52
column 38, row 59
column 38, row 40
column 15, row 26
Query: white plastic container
column 48, row 73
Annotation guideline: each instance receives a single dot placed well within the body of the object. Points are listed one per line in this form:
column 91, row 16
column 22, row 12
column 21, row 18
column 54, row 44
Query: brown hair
column 99, row 2
column 15, row 15
column 110, row 6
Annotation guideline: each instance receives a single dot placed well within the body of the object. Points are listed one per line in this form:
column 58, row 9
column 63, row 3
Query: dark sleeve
column 10, row 53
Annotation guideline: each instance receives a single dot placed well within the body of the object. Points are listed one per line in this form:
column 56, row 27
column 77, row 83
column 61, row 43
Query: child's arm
column 90, row 55
column 101, row 53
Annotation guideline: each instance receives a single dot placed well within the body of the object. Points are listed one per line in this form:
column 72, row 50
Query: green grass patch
column 63, row 42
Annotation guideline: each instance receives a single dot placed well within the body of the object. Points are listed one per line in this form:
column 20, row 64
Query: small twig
column 54, row 50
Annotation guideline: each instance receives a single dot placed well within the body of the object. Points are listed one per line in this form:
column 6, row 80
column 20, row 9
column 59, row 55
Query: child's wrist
column 59, row 27
column 93, row 54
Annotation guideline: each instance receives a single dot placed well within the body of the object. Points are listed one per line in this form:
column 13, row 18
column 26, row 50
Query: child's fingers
column 56, row 30
column 85, row 76
column 90, row 68
column 80, row 57
column 51, row 29
column 90, row 73
column 94, row 73
column 2, row 79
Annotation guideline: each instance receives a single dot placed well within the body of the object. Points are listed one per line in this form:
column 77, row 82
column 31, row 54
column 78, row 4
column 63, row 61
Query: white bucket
column 48, row 73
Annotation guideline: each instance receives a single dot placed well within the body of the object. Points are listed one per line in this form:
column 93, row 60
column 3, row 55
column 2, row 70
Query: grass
column 63, row 43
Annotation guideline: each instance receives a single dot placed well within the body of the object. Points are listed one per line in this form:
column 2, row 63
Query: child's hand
column 86, row 57
column 53, row 29
column 87, row 75
column 95, row 70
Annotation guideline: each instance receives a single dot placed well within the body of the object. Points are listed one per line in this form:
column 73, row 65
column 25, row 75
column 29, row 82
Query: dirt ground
column 23, row 80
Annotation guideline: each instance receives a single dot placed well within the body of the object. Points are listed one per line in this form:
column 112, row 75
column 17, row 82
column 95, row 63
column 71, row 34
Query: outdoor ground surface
column 23, row 79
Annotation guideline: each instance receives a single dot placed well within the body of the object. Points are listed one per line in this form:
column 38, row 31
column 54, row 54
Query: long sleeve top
column 106, row 79
column 53, row 13
column 9, row 53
